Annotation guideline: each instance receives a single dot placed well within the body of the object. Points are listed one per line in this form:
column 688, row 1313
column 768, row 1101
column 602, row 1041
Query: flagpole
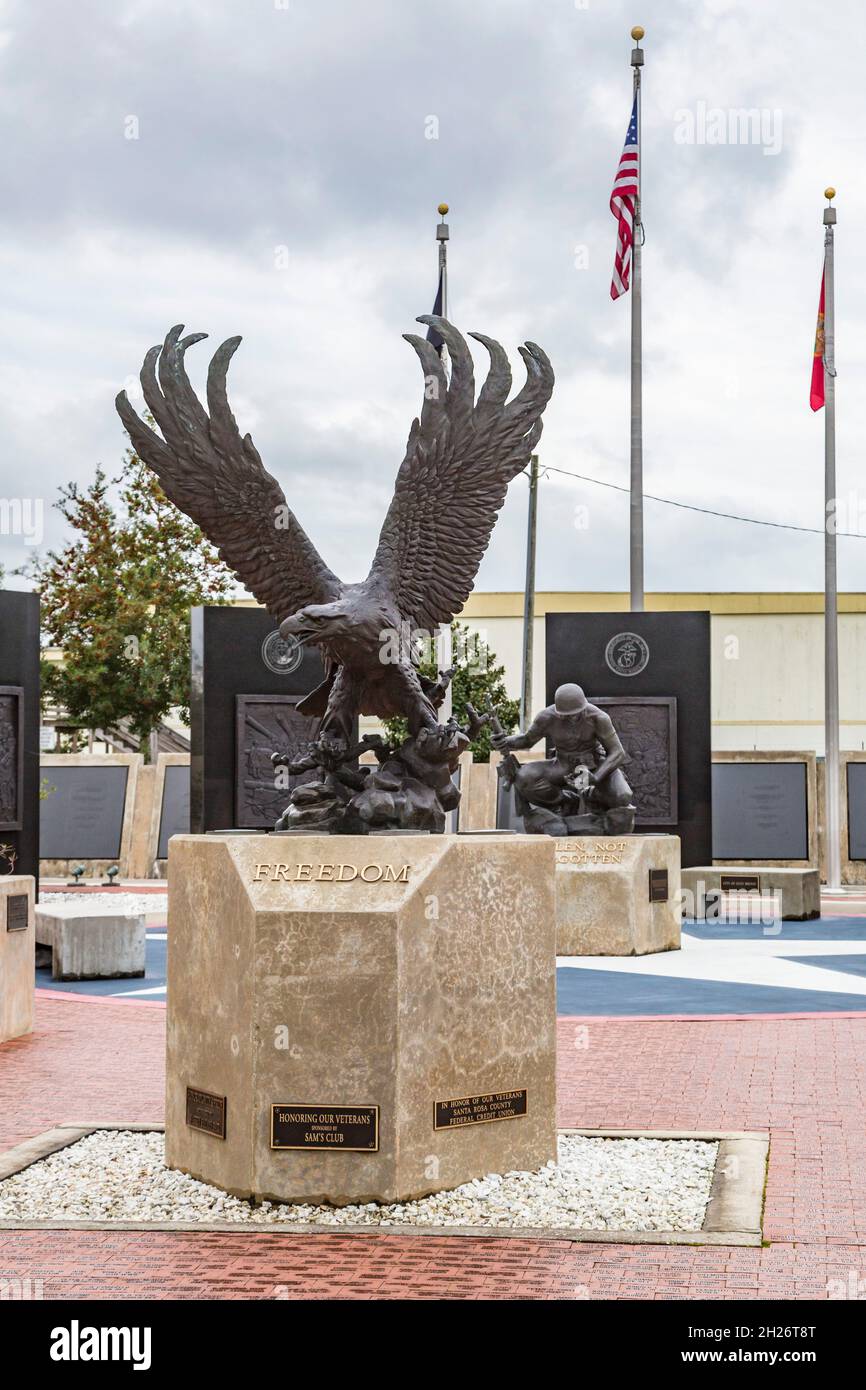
column 442, row 235
column 636, row 562
column 445, row 648
column 529, row 596
column 831, row 607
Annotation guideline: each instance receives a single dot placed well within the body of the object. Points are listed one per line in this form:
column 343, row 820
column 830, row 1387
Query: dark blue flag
column 432, row 336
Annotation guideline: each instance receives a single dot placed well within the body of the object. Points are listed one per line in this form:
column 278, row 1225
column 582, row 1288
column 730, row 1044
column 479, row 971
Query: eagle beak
column 295, row 628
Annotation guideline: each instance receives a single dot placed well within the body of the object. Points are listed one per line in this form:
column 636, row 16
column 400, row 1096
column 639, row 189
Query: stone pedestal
column 359, row 1018
column 17, row 955
column 798, row 891
column 617, row 897
column 92, row 942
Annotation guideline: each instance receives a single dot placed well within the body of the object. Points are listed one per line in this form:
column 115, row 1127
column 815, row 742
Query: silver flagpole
column 831, row 608
column 529, row 596
column 445, row 651
column 636, row 567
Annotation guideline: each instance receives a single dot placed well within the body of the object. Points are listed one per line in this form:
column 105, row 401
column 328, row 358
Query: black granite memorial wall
column 174, row 807
column 760, row 811
column 83, row 811
column 19, row 733
column 237, row 656
column 856, row 788
column 651, row 671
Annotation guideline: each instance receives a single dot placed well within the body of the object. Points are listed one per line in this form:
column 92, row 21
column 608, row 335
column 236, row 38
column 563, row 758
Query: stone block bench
column 798, row 891
column 91, row 942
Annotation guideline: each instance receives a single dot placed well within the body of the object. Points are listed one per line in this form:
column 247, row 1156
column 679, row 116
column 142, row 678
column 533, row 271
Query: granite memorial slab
column 235, row 657
column 19, row 734
column 651, row 673
column 11, row 757
column 856, row 807
column 760, row 809
column 83, row 813
column 174, row 806
column 89, row 811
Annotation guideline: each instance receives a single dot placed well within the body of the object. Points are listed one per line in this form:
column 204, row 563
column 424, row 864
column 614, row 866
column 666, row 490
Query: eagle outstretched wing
column 460, row 458
column 218, row 479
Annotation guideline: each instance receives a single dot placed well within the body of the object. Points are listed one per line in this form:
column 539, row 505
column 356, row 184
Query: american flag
column 622, row 205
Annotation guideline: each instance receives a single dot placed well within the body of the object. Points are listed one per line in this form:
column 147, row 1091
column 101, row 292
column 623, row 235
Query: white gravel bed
column 598, row 1184
column 124, row 902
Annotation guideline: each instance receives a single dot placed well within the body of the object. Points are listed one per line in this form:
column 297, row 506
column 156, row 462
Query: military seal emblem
column 282, row 655
column 627, row 654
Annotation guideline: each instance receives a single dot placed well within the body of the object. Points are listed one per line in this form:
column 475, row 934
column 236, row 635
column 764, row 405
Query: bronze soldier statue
column 581, row 790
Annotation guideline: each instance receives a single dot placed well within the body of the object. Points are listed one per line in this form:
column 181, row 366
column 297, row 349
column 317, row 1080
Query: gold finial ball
column 829, row 193
column 638, row 32
column 442, row 209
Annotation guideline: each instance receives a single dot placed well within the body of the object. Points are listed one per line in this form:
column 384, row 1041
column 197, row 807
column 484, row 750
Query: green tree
column 477, row 680
column 116, row 601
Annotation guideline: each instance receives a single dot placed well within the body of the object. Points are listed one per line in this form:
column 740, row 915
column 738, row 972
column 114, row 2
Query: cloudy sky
column 262, row 168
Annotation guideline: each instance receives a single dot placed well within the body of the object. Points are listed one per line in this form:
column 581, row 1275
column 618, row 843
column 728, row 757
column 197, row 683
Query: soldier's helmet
column 569, row 699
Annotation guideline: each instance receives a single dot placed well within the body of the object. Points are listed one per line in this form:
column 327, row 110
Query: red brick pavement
column 804, row 1080
column 87, row 1058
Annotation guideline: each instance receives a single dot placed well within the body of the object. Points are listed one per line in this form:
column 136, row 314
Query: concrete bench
column 798, row 891
column 91, row 942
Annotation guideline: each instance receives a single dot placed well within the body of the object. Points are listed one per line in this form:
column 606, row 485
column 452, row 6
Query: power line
column 705, row 511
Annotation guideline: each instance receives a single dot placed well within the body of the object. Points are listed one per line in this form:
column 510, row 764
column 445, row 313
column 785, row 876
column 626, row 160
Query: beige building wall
column 767, row 659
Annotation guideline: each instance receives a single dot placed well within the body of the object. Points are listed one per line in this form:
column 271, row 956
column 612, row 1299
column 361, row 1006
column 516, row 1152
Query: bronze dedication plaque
column 16, row 912
column 479, row 1110
column 658, row 885
column 739, row 883
column 332, row 1128
column 206, row 1112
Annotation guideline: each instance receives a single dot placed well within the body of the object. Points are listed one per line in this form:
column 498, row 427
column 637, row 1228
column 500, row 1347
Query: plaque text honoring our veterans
column 479, row 1110
column 332, row 1128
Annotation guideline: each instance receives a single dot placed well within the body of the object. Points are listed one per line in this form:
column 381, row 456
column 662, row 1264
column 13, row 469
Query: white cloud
column 305, row 128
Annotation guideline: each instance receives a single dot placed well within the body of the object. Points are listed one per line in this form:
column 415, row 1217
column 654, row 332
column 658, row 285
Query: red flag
column 816, row 393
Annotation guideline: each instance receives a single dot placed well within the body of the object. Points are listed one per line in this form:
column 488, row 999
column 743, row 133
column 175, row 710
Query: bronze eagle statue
column 461, row 455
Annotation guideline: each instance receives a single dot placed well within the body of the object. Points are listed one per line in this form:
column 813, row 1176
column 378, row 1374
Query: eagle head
column 318, row 622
